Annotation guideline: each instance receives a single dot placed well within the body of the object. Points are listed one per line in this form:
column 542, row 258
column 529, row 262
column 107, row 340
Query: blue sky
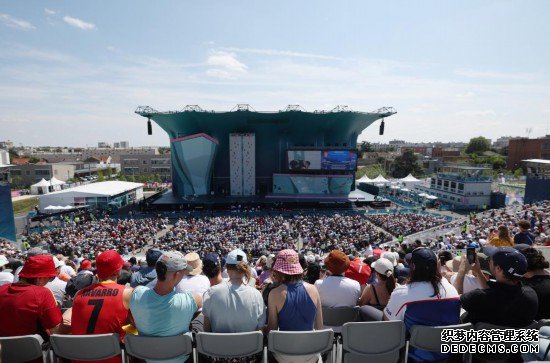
column 73, row 72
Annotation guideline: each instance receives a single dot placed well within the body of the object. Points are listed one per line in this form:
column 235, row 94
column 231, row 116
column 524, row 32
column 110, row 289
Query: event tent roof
column 55, row 181
column 409, row 178
column 107, row 188
column 380, row 179
column 364, row 179
column 41, row 183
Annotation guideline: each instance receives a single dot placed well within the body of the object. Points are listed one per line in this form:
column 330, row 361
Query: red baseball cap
column 358, row 271
column 108, row 263
column 38, row 266
column 86, row 264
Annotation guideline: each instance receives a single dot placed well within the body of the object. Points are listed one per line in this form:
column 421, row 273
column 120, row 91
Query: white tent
column 409, row 179
column 42, row 187
column 432, row 197
column 423, row 195
column 364, row 179
column 55, row 181
column 380, row 179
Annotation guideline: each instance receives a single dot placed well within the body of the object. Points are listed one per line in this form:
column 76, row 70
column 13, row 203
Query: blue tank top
column 298, row 312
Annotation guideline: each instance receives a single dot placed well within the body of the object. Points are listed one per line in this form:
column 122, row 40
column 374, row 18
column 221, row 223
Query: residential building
column 103, row 145
column 522, row 149
column 146, row 164
column 32, row 173
column 6, row 144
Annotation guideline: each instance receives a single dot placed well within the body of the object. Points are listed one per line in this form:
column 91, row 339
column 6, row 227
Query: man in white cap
column 57, row 286
column 161, row 311
column 194, row 281
column 234, row 306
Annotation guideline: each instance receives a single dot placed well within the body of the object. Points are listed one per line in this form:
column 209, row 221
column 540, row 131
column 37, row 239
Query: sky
column 72, row 73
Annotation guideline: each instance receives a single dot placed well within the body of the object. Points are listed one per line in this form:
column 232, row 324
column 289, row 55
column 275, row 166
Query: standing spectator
column 507, row 301
column 503, row 239
column 294, row 305
column 524, row 236
column 375, row 296
column 6, row 277
column 161, row 311
column 195, row 281
column 146, row 276
column 27, row 307
column 103, row 307
column 538, row 278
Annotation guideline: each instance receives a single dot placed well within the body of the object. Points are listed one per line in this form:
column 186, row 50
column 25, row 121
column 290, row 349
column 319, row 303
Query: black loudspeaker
column 150, row 128
column 382, row 128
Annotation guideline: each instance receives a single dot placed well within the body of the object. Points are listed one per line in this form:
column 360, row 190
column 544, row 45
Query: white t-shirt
column 197, row 284
column 68, row 270
column 470, row 282
column 6, row 278
column 338, row 291
column 234, row 309
column 57, row 287
column 403, row 294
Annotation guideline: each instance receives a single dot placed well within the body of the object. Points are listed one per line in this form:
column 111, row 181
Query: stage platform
column 170, row 201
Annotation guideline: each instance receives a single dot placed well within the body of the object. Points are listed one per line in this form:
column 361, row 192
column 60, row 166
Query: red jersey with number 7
column 99, row 309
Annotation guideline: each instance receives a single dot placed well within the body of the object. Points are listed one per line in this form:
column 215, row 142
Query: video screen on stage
column 304, row 159
column 339, row 160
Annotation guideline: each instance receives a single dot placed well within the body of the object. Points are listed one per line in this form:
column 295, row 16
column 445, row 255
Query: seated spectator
column 6, row 277
column 524, row 236
column 294, row 305
column 161, row 311
column 212, row 268
column 337, row 290
column 358, row 271
column 505, row 301
column 27, row 307
column 103, row 307
column 57, row 286
column 503, row 238
column 146, row 276
column 375, row 296
column 234, row 306
column 195, row 281
column 466, row 279
column 426, row 299
column 538, row 278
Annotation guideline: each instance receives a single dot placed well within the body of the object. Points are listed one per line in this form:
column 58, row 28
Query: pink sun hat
column 288, row 263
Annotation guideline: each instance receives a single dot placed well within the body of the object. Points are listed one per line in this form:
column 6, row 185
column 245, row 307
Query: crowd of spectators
column 403, row 224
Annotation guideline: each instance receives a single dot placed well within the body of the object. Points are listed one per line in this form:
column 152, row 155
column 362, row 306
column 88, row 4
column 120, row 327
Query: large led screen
column 304, row 159
column 339, row 160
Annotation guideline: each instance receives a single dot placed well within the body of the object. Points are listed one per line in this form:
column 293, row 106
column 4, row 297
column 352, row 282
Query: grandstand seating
column 428, row 338
column 381, row 342
column 158, row 348
column 21, row 348
column 230, row 345
column 296, row 343
column 86, row 347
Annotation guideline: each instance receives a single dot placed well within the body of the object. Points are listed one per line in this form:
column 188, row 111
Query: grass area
column 25, row 205
column 372, row 171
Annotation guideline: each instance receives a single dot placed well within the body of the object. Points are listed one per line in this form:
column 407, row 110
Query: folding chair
column 378, row 341
column 295, row 343
column 497, row 357
column 158, row 348
column 21, row 348
column 230, row 345
column 334, row 318
column 428, row 338
column 86, row 347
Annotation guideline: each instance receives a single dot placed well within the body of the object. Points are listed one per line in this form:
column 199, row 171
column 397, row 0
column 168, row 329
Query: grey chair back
column 86, row 347
column 300, row 342
column 21, row 348
column 429, row 337
column 230, row 345
column 379, row 341
column 158, row 348
column 340, row 316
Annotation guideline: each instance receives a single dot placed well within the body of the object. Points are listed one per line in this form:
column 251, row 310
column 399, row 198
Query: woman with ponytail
column 375, row 297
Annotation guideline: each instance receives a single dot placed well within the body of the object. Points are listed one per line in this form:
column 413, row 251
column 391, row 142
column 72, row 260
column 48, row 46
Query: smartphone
column 471, row 255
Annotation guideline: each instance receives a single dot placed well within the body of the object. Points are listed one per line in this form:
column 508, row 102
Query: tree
column 100, row 176
column 17, row 182
column 478, row 145
column 33, row 160
column 121, row 177
column 498, row 162
column 405, row 164
column 518, row 172
column 365, row 147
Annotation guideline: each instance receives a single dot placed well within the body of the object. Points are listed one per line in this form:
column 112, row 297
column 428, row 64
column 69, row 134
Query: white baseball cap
column 235, row 256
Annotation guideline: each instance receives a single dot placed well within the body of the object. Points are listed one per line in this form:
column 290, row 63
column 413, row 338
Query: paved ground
column 23, row 197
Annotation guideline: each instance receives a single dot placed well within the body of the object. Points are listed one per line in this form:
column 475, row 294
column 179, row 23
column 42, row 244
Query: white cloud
column 276, row 52
column 477, row 113
column 78, row 23
column 15, row 23
column 49, row 11
column 226, row 60
column 465, row 94
column 488, row 74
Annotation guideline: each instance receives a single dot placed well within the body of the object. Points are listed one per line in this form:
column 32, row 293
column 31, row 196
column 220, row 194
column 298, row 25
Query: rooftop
column 107, row 188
